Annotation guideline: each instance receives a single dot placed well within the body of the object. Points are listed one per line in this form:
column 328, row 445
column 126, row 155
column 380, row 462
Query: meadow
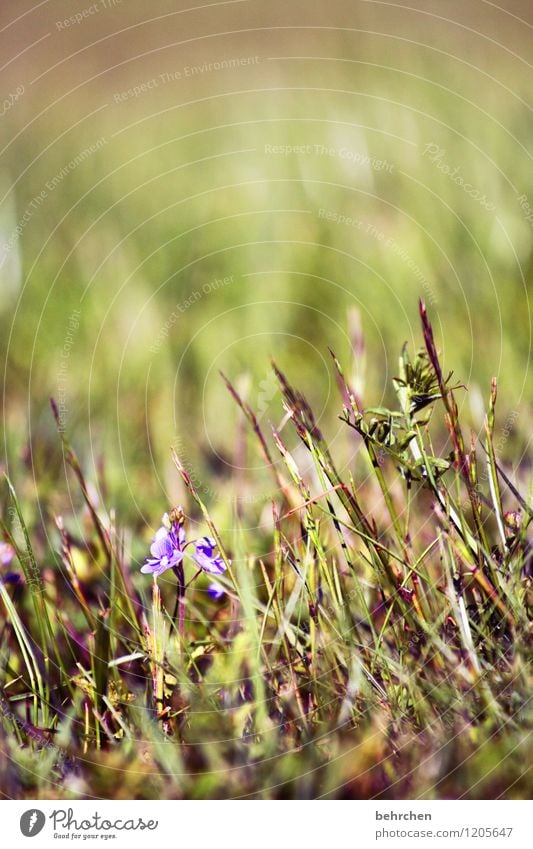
column 281, row 281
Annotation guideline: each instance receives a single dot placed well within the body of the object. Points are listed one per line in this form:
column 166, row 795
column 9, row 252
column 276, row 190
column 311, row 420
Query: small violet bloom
column 7, row 553
column 206, row 558
column 167, row 550
column 216, row 590
column 170, row 545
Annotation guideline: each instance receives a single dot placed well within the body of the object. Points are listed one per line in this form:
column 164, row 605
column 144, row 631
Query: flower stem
column 179, row 608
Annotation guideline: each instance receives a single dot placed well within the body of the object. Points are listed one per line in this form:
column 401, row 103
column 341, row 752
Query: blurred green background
column 203, row 189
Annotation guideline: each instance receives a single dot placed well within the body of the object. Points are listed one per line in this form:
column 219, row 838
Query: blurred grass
column 139, row 227
column 373, row 646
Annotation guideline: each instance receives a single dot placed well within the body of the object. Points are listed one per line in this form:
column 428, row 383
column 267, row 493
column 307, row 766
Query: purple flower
column 7, row 553
column 216, row 590
column 166, row 550
column 205, row 556
column 11, row 578
column 169, row 547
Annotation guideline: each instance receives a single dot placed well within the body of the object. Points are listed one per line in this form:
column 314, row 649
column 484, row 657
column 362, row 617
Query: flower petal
column 158, row 565
column 216, row 590
column 178, row 536
column 213, row 565
column 150, row 567
column 162, row 546
column 206, row 545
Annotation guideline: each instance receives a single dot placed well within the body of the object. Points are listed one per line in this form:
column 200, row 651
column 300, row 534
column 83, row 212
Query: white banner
column 276, row 825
